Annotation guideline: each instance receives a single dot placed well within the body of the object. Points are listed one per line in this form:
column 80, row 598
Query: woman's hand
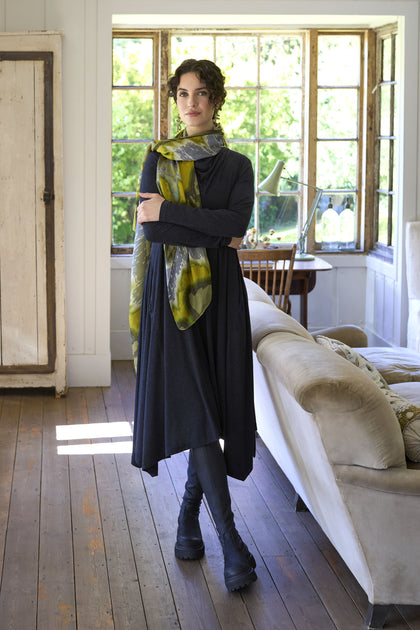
column 236, row 242
column 149, row 210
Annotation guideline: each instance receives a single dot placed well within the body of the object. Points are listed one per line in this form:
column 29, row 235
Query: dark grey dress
column 196, row 386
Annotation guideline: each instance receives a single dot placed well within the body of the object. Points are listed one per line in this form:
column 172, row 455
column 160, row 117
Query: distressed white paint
column 23, row 256
column 22, row 262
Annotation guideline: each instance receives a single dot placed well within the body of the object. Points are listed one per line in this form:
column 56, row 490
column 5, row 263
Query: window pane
column 132, row 61
column 237, row 58
column 338, row 60
column 395, row 112
column 123, row 211
column 281, row 215
column 345, row 206
column 328, row 229
column 280, row 114
column 190, row 47
column 393, row 219
column 394, row 166
column 126, row 164
column 384, row 164
column 395, row 48
column 383, row 219
column 322, row 207
column 386, row 59
column 337, row 164
column 132, row 114
column 337, row 113
column 281, row 61
column 385, row 111
column 289, row 152
column 239, row 114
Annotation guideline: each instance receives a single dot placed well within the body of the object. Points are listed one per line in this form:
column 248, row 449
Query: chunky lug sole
column 189, row 552
column 239, row 562
column 243, row 579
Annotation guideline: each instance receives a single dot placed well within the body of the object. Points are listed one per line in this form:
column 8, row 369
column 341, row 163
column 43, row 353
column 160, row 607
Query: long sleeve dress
column 195, row 386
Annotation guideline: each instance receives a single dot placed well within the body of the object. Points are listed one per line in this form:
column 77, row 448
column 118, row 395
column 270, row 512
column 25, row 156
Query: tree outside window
column 293, row 96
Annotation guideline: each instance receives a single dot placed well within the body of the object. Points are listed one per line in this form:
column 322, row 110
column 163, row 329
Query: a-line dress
column 195, row 386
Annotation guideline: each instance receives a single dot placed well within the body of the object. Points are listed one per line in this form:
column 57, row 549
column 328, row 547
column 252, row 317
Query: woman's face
column 193, row 102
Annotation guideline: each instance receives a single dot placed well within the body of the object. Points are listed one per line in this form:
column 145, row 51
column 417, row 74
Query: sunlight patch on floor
column 95, row 431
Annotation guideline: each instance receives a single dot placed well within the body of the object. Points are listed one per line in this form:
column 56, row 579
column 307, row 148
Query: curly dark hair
column 209, row 73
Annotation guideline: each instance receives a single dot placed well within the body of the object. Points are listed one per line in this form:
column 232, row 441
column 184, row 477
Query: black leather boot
column 189, row 542
column 210, row 465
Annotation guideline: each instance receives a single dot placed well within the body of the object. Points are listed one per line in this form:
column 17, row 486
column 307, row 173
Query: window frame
column 384, row 251
column 157, row 112
column 314, row 245
column 364, row 192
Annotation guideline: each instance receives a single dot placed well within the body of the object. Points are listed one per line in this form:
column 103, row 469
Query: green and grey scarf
column 188, row 276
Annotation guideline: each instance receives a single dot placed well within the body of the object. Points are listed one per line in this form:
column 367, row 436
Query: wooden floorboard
column 56, row 596
column 87, row 540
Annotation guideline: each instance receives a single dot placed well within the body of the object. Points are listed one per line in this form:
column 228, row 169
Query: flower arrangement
column 250, row 240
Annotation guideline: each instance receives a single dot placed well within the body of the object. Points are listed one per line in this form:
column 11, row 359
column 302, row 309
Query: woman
column 189, row 315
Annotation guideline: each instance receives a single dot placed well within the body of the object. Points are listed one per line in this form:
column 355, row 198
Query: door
column 28, row 313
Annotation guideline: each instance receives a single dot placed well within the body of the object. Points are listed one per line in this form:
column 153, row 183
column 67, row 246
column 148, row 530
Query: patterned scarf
column 188, row 276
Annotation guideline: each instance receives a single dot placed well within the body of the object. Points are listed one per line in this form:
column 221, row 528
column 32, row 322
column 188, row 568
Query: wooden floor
column 87, row 542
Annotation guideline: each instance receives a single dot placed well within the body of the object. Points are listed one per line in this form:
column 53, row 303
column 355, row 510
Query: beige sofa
column 336, row 437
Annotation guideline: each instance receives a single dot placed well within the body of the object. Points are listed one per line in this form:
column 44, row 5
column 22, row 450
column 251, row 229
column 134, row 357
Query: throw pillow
column 407, row 412
column 354, row 357
column 397, row 365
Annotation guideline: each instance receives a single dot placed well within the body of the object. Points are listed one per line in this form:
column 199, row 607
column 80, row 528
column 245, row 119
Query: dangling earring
column 178, row 123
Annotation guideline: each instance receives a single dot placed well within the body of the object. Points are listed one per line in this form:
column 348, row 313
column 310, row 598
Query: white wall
column 86, row 24
column 86, row 27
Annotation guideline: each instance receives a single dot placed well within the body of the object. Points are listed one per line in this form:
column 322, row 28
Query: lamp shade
column 271, row 183
column 271, row 186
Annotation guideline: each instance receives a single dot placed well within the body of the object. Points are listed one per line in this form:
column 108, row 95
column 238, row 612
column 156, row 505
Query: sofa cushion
column 411, row 392
column 407, row 411
column 397, row 365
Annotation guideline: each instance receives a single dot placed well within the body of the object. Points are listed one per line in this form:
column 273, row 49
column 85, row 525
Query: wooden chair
column 271, row 269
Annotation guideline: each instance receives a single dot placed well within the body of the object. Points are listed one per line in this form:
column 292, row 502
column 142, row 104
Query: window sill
column 121, row 261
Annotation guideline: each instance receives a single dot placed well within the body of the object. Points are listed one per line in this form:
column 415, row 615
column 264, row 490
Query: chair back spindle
column 271, row 269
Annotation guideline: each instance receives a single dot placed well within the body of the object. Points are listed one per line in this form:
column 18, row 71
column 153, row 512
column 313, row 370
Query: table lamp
column 271, row 184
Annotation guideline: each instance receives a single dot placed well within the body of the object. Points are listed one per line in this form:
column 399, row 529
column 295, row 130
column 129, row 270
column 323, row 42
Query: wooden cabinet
column 32, row 317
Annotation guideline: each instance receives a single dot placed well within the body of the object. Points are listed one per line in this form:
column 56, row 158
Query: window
column 385, row 142
column 295, row 96
column 134, row 125
column 338, row 68
column 263, row 114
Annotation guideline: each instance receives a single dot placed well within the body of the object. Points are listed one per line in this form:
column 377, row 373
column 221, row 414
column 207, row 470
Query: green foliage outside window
column 262, row 117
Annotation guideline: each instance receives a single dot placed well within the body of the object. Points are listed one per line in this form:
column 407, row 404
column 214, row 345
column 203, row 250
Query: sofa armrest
column 385, row 509
column 355, row 420
column 353, row 336
column 403, row 481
